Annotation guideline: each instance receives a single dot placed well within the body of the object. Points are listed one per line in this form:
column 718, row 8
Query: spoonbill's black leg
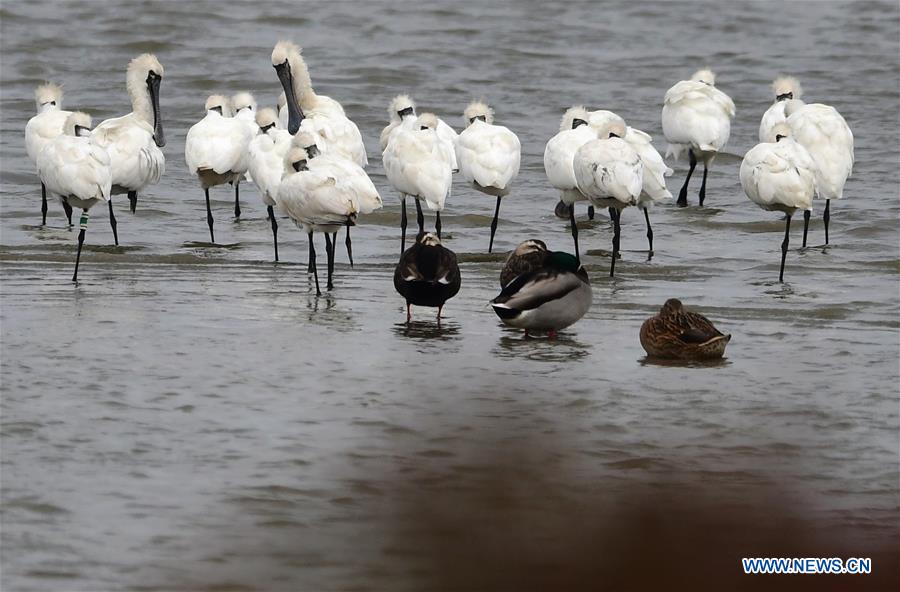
column 329, row 252
column 274, row 229
column 132, row 200
column 616, row 231
column 403, row 224
column 703, row 185
column 437, row 224
column 574, row 232
column 806, row 215
column 649, row 231
column 682, row 195
column 420, row 218
column 612, row 213
column 43, row 205
column 209, row 218
column 562, row 210
column 349, row 244
column 112, row 221
column 826, row 217
column 68, row 210
column 494, row 225
column 784, row 246
column 237, row 200
column 312, row 262
column 590, row 212
column 84, row 221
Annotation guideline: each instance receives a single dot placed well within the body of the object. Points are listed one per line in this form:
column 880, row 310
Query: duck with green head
column 548, row 298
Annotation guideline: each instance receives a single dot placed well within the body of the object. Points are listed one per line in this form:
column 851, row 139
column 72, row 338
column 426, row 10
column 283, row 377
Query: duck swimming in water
column 677, row 334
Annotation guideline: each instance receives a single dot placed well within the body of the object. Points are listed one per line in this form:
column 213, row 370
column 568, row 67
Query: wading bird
column 44, row 127
column 215, row 150
column 549, row 298
column 418, row 164
column 266, row 154
column 243, row 106
column 696, row 117
column 402, row 111
column 785, row 88
column 678, row 334
column 77, row 170
column 488, row 155
column 133, row 141
column 828, row 139
column 780, row 176
column 427, row 274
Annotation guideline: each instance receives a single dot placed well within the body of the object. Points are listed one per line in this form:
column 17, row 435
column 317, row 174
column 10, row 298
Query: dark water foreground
column 191, row 417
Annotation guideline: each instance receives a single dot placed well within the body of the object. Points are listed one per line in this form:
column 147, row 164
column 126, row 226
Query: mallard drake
column 528, row 256
column 427, row 274
column 682, row 335
column 549, row 298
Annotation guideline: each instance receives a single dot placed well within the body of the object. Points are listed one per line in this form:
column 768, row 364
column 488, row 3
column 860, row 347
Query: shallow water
column 191, row 416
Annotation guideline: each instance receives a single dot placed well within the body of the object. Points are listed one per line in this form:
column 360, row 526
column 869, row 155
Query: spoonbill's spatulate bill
column 610, row 174
column 419, row 164
column 828, row 139
column 76, row 169
column 551, row 297
column 488, row 156
column 216, row 149
column 780, row 176
column 325, row 115
column 44, row 127
column 427, row 274
column 678, row 334
column 266, row 154
column 696, row 118
column 133, row 141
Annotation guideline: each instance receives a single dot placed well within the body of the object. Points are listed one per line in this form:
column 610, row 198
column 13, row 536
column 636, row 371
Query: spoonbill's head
column 427, row 121
column 478, row 110
column 706, row 76
column 574, row 117
column 243, row 100
column 266, row 119
column 296, row 159
column 142, row 78
column 791, row 106
column 786, row 87
column 614, row 128
column 781, row 131
column 532, row 245
column 288, row 63
column 220, row 104
column 600, row 118
column 428, row 239
column 48, row 97
column 78, row 124
column 401, row 106
column 307, row 140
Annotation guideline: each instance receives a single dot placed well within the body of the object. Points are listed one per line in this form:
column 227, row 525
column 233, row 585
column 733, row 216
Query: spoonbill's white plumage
column 243, row 106
column 828, row 139
column 325, row 115
column 655, row 171
column 610, row 173
column 133, row 141
column 696, row 118
column 77, row 170
column 402, row 111
column 488, row 155
column 44, row 127
column 282, row 112
column 418, row 164
column 215, row 149
column 266, row 153
column 784, row 88
column 780, row 176
column 321, row 193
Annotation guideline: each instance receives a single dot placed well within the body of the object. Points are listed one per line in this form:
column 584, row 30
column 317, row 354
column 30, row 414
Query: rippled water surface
column 191, row 416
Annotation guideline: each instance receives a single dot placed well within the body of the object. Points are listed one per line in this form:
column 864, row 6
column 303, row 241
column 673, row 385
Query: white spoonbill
column 47, row 125
column 325, row 114
column 133, row 141
column 780, row 176
column 655, row 171
column 266, row 154
column 215, row 149
column 696, row 117
column 417, row 163
column 77, row 170
column 784, row 88
column 244, row 106
column 610, row 174
column 321, row 193
column 402, row 111
column 488, row 155
column 828, row 139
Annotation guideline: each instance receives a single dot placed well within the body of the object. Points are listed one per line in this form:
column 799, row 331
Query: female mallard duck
column 427, row 274
column 549, row 298
column 528, row 256
column 681, row 335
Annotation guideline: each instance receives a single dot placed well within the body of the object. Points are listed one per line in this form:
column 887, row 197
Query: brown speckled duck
column 528, row 256
column 677, row 334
